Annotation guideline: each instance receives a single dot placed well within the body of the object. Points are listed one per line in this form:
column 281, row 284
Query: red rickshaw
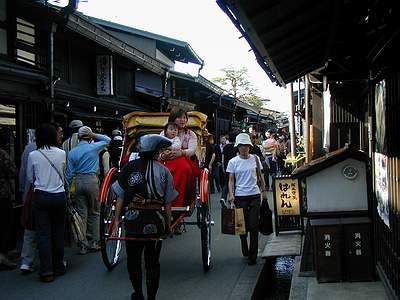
column 137, row 124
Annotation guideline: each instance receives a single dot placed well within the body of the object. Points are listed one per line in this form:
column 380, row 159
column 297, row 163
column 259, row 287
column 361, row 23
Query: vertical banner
column 380, row 117
column 382, row 187
column 104, row 75
column 287, row 197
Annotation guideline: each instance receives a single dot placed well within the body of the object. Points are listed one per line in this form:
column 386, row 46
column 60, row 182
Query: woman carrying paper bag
column 244, row 192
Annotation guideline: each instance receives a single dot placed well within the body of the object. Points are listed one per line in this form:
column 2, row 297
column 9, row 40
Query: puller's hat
column 243, row 139
column 152, row 143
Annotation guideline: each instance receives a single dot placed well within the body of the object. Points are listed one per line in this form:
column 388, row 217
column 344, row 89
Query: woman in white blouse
column 244, row 192
column 45, row 170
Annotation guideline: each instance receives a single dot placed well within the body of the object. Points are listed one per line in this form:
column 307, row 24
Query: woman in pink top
column 178, row 161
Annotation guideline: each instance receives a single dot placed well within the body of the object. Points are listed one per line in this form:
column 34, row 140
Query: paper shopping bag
column 232, row 221
column 240, row 225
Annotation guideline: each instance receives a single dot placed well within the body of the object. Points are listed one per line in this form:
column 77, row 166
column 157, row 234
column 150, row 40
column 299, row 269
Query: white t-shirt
column 46, row 178
column 245, row 171
column 176, row 143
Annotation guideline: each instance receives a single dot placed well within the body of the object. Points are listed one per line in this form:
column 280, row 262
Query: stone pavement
column 247, row 281
column 308, row 288
column 284, row 244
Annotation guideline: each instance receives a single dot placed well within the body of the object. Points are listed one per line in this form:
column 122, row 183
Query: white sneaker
column 26, row 269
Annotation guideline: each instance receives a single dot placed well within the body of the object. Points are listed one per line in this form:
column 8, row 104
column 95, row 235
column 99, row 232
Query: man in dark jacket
column 228, row 153
column 144, row 187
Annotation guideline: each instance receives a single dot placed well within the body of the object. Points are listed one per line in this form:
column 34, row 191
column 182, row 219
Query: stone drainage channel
column 275, row 279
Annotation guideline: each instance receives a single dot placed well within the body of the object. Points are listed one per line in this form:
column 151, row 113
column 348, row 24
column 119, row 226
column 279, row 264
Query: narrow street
column 182, row 275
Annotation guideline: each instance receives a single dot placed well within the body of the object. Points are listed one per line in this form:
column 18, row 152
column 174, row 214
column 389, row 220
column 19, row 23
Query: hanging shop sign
column 287, row 197
column 287, row 205
column 104, row 75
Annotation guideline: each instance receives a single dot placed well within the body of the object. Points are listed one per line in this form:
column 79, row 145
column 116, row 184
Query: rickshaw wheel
column 204, row 219
column 110, row 249
column 205, row 236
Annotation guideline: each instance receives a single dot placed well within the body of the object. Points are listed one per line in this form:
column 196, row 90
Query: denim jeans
column 49, row 213
column 29, row 247
column 88, row 207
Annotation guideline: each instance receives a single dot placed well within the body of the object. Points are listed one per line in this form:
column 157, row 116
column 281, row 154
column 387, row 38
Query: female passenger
column 177, row 161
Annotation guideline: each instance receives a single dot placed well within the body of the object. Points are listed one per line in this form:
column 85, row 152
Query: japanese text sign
column 104, row 75
column 287, row 197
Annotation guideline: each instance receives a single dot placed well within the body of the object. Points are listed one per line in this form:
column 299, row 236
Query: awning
column 293, row 38
column 247, row 107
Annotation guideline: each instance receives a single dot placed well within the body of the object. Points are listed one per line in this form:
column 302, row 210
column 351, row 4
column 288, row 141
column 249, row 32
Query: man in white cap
column 83, row 163
column 73, row 140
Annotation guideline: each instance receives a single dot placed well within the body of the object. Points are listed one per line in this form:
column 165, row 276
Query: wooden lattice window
column 26, row 42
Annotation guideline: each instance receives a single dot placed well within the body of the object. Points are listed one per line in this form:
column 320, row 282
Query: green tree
column 237, row 84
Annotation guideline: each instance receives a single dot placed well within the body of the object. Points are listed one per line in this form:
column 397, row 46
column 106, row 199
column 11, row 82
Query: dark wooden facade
column 350, row 47
column 387, row 236
column 48, row 72
column 208, row 98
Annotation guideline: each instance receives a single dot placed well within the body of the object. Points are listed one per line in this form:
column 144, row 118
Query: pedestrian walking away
column 143, row 188
column 83, row 163
column 45, row 170
column 29, row 244
column 244, row 192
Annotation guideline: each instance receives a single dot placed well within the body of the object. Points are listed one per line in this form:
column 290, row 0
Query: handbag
column 232, row 221
column 77, row 226
column 265, row 224
column 27, row 219
column 260, row 179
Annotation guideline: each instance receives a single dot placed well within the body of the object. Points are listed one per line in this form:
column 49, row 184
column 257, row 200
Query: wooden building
column 348, row 52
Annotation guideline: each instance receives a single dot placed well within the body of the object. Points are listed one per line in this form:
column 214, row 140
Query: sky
column 203, row 25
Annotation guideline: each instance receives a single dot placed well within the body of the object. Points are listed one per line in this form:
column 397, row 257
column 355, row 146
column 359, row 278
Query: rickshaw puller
column 144, row 187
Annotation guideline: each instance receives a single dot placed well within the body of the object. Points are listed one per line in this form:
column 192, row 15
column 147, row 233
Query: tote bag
column 233, row 221
column 265, row 225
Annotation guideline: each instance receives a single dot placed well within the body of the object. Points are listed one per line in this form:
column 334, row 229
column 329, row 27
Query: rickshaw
column 135, row 125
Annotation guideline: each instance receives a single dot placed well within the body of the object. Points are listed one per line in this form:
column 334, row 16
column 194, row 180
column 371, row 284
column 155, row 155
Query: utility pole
column 307, row 118
column 292, row 131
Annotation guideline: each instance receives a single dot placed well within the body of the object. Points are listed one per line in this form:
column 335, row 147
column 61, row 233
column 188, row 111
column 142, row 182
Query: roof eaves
column 327, row 161
column 180, row 75
column 150, row 35
column 84, row 26
column 235, row 12
column 247, row 106
column 210, row 85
